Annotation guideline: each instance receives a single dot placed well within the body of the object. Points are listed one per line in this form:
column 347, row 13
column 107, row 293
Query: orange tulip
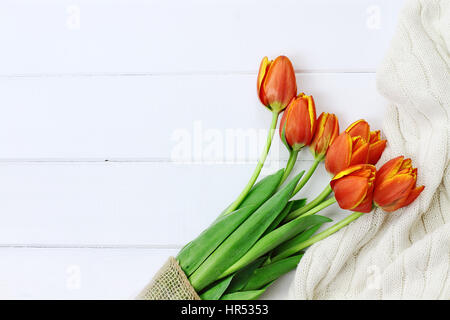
column 376, row 146
column 276, row 84
column 353, row 187
column 327, row 129
column 359, row 128
column 298, row 123
column 395, row 184
column 345, row 152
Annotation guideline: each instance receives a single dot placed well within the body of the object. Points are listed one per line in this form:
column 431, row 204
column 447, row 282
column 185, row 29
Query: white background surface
column 95, row 96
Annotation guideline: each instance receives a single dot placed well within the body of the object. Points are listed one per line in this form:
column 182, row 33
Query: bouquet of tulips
column 264, row 232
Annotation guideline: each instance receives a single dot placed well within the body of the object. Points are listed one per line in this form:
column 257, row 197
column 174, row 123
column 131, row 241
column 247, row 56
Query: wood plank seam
column 90, row 246
column 137, row 160
column 175, row 74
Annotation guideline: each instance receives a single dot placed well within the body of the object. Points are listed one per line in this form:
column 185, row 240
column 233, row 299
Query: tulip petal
column 265, row 64
column 335, row 124
column 359, row 170
column 339, row 154
column 360, row 153
column 374, row 136
column 388, row 170
column 395, row 184
column 353, row 187
column 406, row 164
column 299, row 128
column 312, row 115
column 359, row 128
column 321, row 122
column 279, row 85
column 376, row 150
column 283, row 130
column 350, row 191
column 413, row 195
column 283, row 121
column 327, row 129
column 367, row 204
column 318, row 143
column 391, row 193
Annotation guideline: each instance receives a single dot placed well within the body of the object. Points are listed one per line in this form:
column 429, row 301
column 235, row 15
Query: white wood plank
column 83, row 273
column 189, row 118
column 126, row 84
column 280, row 289
column 92, row 204
column 156, row 36
column 77, row 273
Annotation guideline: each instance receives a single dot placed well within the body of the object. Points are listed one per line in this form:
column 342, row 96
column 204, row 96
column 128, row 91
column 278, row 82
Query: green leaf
column 242, row 239
column 195, row 252
column 241, row 278
column 243, row 295
column 297, row 204
column 289, row 247
column 279, row 218
column 261, row 191
column 274, row 239
column 291, row 206
column 217, row 290
column 271, row 272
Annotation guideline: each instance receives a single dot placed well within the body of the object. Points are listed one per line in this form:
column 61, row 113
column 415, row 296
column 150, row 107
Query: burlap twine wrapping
column 169, row 283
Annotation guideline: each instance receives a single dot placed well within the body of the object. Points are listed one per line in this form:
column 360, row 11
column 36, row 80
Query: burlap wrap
column 169, row 283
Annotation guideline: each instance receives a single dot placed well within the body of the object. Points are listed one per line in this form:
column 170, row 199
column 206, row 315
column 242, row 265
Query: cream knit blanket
column 406, row 254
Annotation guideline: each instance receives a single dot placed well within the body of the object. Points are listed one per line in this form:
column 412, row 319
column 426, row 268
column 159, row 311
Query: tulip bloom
column 276, row 83
column 298, row 123
column 345, row 152
column 327, row 130
column 276, row 87
column 395, row 184
column 359, row 128
column 353, row 187
column 376, row 146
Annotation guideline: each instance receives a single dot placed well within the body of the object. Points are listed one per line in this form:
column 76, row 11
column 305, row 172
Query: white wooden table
column 115, row 116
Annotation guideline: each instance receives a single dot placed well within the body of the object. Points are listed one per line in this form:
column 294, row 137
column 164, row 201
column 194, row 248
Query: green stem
column 290, row 164
column 319, row 207
column 327, row 232
column 314, row 210
column 259, row 166
column 273, row 239
column 320, row 198
column 307, row 176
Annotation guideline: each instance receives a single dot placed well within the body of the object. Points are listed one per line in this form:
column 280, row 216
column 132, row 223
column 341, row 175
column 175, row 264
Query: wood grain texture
column 88, row 273
column 191, row 36
column 111, row 204
column 126, row 126
column 107, row 118
column 77, row 273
